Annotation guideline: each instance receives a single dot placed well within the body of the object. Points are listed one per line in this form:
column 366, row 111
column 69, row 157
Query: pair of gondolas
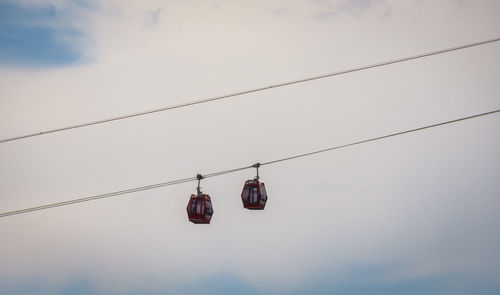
column 253, row 196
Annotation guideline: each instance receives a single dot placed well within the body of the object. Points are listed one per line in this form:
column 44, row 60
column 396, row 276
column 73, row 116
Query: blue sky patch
column 35, row 36
column 363, row 281
column 369, row 280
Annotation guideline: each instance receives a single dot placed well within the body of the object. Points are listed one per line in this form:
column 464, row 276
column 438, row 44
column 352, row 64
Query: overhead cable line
column 122, row 192
column 215, row 98
column 378, row 138
column 215, row 174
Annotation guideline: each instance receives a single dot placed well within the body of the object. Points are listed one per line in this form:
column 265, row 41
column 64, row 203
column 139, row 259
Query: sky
column 413, row 214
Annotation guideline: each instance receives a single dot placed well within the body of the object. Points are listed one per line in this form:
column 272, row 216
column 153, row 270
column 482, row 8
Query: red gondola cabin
column 254, row 195
column 199, row 209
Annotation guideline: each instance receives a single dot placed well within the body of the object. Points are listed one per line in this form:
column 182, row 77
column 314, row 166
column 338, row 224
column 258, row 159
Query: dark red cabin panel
column 254, row 195
column 199, row 209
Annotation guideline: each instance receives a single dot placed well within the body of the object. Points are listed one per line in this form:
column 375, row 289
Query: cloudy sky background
column 414, row 214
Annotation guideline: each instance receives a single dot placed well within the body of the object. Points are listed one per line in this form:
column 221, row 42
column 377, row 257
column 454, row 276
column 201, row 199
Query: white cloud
column 425, row 201
column 152, row 17
column 356, row 8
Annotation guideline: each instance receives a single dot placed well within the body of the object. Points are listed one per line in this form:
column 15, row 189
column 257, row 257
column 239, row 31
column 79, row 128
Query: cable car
column 199, row 208
column 254, row 195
